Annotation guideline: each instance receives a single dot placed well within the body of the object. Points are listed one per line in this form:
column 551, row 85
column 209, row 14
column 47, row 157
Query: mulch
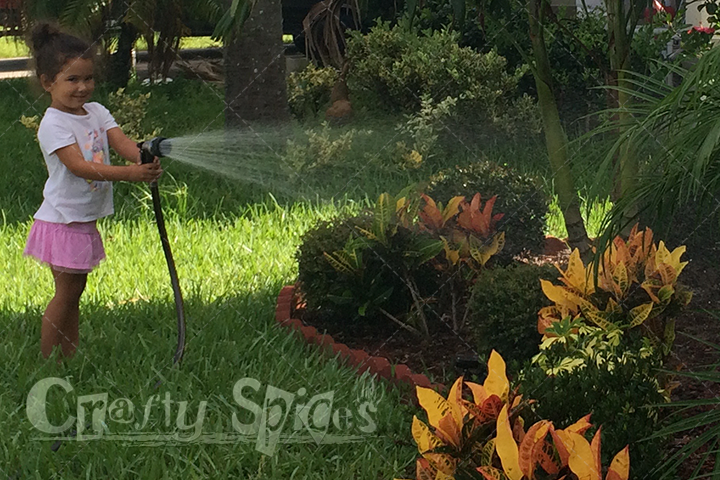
column 448, row 355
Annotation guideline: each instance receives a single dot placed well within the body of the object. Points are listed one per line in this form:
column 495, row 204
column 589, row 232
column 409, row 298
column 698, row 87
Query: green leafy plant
column 609, row 374
column 322, row 149
column 398, row 66
column 503, row 312
column 401, row 259
column 401, row 251
column 519, row 196
column 423, row 129
column 309, row 90
column 130, row 111
column 322, row 286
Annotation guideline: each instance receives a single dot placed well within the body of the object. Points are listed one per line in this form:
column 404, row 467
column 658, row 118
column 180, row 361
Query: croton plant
column 484, row 437
column 636, row 282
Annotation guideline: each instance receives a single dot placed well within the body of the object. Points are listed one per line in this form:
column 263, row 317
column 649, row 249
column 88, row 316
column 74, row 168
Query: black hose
column 147, row 156
column 180, row 349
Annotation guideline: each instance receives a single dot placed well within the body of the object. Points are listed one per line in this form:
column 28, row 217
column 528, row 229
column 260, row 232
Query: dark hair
column 52, row 48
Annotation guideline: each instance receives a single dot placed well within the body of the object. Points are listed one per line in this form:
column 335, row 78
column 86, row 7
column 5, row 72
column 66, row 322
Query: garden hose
column 148, row 151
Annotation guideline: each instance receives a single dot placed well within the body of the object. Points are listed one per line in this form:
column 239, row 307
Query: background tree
column 255, row 85
column 555, row 138
column 116, row 24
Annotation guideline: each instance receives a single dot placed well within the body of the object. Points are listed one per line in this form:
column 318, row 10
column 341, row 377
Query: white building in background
column 692, row 15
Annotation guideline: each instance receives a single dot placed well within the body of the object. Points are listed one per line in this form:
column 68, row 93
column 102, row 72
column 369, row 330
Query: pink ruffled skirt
column 72, row 248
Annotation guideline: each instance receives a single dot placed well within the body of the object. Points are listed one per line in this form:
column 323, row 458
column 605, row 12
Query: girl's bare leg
column 60, row 321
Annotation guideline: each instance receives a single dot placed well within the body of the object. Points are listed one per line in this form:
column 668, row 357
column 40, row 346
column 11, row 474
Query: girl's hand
column 148, row 172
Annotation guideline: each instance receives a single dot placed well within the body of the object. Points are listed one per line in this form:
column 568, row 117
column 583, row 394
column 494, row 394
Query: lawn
column 234, row 250
column 234, row 245
column 10, row 47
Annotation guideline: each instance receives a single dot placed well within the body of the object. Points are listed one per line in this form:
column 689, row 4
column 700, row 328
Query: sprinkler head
column 152, row 148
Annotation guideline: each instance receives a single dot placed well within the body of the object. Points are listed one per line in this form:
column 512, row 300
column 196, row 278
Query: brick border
column 360, row 360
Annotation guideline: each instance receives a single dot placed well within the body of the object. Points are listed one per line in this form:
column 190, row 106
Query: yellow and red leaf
column 506, row 447
column 496, row 382
column 620, row 466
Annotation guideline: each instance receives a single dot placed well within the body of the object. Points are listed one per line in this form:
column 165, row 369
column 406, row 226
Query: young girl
column 74, row 137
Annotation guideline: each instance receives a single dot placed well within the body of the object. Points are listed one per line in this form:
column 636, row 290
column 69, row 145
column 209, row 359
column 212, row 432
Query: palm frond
column 708, row 421
column 677, row 135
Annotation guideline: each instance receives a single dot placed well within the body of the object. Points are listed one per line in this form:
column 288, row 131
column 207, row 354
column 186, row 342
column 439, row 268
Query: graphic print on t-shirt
column 94, row 151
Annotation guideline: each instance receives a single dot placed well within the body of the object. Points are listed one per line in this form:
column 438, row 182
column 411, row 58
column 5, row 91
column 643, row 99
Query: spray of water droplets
column 248, row 156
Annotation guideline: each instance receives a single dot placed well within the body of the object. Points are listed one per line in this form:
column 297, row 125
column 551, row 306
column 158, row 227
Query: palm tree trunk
column 555, row 138
column 619, row 52
column 255, row 88
column 121, row 61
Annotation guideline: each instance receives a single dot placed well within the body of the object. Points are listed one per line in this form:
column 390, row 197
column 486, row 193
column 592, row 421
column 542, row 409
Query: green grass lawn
column 234, row 250
column 10, row 47
column 234, row 246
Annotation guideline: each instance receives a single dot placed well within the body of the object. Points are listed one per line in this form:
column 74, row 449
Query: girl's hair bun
column 52, row 47
column 43, row 34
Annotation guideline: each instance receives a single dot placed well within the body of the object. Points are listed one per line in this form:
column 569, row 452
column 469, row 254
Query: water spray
column 160, row 147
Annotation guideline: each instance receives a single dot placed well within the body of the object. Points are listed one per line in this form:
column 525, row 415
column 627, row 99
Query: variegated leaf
column 506, row 447
column 639, row 314
column 424, row 438
column 581, row 461
column 442, row 462
column 452, row 208
column 581, row 426
column 478, row 391
column 491, row 473
column 496, row 382
column 423, row 470
column 486, row 454
column 531, row 443
column 338, row 264
column 545, row 457
column 620, row 466
column 433, row 403
column 449, row 430
column 595, row 446
column 620, row 280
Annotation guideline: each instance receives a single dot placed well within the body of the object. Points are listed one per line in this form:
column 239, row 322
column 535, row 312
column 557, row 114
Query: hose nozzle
column 156, row 147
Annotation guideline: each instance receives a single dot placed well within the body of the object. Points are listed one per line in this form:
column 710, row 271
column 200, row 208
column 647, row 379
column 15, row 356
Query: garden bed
column 442, row 358
column 438, row 358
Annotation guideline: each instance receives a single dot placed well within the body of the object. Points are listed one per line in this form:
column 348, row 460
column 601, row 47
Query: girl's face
column 72, row 87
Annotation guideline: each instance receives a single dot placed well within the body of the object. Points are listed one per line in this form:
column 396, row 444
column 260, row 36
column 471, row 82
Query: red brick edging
column 359, row 359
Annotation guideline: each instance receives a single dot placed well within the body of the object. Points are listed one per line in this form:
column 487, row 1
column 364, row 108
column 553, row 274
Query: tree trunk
column 555, row 138
column 255, row 88
column 121, row 61
column 619, row 43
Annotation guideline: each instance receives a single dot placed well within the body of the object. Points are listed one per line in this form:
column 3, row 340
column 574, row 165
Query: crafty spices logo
column 277, row 416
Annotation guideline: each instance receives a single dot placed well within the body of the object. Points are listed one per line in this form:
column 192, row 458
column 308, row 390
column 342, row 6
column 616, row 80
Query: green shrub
column 520, row 198
column 505, row 302
column 622, row 395
column 130, row 111
column 411, row 262
column 323, row 149
column 344, row 298
column 309, row 90
column 398, row 66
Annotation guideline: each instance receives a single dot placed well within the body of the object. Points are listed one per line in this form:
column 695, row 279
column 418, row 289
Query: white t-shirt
column 67, row 197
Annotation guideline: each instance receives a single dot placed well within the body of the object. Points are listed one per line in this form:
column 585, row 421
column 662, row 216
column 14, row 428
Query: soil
column 449, row 355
